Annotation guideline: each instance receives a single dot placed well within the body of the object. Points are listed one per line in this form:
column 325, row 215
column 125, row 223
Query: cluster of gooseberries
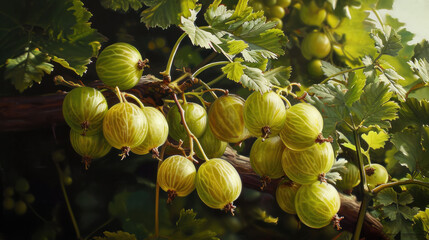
column 274, row 10
column 289, row 142
column 17, row 197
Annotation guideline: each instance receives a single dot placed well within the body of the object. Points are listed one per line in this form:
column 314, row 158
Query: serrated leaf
column 119, row 235
column 421, row 68
column 407, row 212
column 198, row 36
column 254, row 79
column 421, row 50
column 27, row 69
column 367, row 61
column 391, row 211
column 234, row 47
column 375, row 140
column 123, row 5
column 262, row 38
column 334, row 173
column 163, row 13
column 387, row 197
column 423, row 216
column 191, row 228
column 234, row 70
column 355, row 85
column 410, row 153
column 391, row 77
column 279, row 76
column 375, row 106
column 330, row 70
column 405, row 198
column 414, row 113
column 387, row 41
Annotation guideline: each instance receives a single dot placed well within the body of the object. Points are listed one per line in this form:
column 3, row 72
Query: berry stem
column 135, row 98
column 172, row 54
column 73, row 219
column 161, row 156
column 59, row 80
column 210, row 65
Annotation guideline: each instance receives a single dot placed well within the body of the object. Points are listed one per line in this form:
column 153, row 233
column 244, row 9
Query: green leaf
column 334, row 173
column 387, row 197
column 355, row 85
column 123, row 5
column 410, row 153
column 421, row 50
column 375, row 140
column 391, row 78
column 234, row 47
column 191, row 228
column 27, row 69
column 234, row 70
column 198, row 36
column 331, row 70
column 387, row 41
column 119, row 235
column 421, row 68
column 405, row 198
column 385, row 4
column 163, row 13
column 262, row 38
column 279, row 76
column 375, row 106
column 423, row 218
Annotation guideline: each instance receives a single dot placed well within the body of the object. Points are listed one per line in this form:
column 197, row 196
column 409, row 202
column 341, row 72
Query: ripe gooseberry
column 121, row 65
column 84, row 109
column 218, row 184
column 264, row 114
column 376, row 174
column 309, row 165
column 226, row 118
column 317, row 204
column 310, row 14
column 176, row 176
column 125, row 126
column 266, row 158
column 157, row 131
column 285, row 195
column 195, row 117
column 302, row 128
column 350, row 178
column 89, row 147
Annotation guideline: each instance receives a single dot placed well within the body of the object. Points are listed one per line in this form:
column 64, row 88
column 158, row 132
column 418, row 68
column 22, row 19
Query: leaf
column 375, row 140
column 410, row 154
column 414, row 113
column 385, row 4
column 163, row 13
column 334, row 173
column 423, row 217
column 123, row 5
column 421, row 68
column 387, row 41
column 355, row 85
column 391, row 77
column 386, row 196
column 119, row 235
column 421, row 50
column 279, row 76
column 330, row 70
column 189, row 227
column 27, row 69
column 234, row 70
column 241, row 24
column 198, row 36
column 375, row 106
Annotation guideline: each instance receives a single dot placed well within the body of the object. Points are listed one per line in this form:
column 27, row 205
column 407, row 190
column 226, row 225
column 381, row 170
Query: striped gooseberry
column 176, row 176
column 157, row 131
column 89, row 147
column 125, row 126
column 84, row 109
column 350, row 178
column 315, row 45
column 120, row 64
column 317, row 204
column 264, row 114
column 285, row 195
column 302, row 128
column 213, row 147
column 376, row 174
column 218, row 184
column 308, row 166
column 266, row 158
column 195, row 117
column 226, row 118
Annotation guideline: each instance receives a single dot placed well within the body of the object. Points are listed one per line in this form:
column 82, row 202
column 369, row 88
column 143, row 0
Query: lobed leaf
column 376, row 140
column 421, row 68
column 198, row 36
column 279, row 76
column 387, row 41
column 123, row 5
column 163, row 13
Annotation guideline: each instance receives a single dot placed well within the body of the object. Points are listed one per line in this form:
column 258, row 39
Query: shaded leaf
column 163, row 13
column 279, row 76
column 386, row 197
column 191, row 228
column 330, row 70
column 355, row 85
column 387, row 41
column 123, row 5
column 410, row 154
column 27, row 69
column 119, row 235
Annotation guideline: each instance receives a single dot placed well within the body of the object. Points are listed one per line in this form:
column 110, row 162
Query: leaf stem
column 207, row 66
column 401, row 182
column 73, row 219
column 172, row 54
column 342, row 72
column 207, row 85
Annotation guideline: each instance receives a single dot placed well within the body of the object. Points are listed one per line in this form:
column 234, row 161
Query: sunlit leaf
column 355, row 85
column 189, row 227
column 163, row 13
column 198, row 36
column 279, row 76
column 421, row 68
column 375, row 140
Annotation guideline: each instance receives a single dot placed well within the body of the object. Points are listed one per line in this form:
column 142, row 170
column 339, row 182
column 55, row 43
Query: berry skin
column 376, row 174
